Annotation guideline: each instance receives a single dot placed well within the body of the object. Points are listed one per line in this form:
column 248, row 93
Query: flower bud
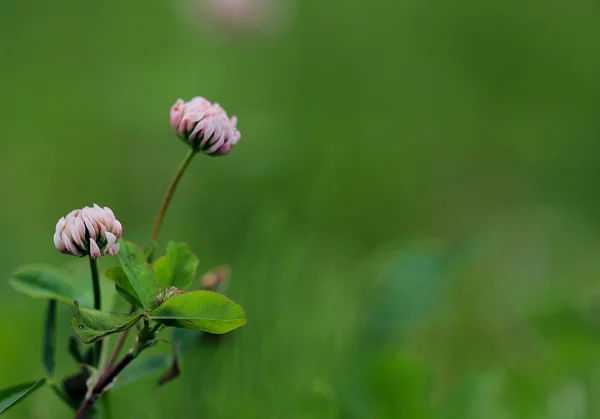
column 88, row 231
column 204, row 126
column 164, row 294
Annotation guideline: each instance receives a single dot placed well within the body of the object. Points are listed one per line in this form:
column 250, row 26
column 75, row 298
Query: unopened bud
column 88, row 231
column 166, row 293
column 204, row 126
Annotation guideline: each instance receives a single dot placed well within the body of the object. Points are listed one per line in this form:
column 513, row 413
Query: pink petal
column 113, row 250
column 117, row 229
column 176, row 113
column 220, row 141
column 94, row 249
column 110, row 238
column 59, row 243
column 90, row 227
column 70, row 246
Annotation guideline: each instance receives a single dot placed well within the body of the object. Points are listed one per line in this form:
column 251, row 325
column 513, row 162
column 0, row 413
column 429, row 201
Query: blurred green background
column 411, row 216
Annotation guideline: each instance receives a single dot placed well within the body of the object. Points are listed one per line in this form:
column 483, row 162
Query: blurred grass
column 365, row 127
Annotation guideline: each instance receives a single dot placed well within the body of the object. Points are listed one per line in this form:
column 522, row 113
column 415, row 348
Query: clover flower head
column 88, row 231
column 205, row 126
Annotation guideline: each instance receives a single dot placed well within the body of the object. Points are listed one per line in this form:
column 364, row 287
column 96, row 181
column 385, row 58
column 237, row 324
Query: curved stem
column 97, row 303
column 169, row 194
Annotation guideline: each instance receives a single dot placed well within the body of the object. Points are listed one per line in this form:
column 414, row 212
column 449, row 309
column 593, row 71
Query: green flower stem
column 170, row 191
column 95, row 283
column 97, row 304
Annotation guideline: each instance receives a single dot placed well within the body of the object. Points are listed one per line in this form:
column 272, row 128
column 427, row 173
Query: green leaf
column 200, row 310
column 15, row 394
column 49, row 348
column 183, row 264
column 42, row 282
column 122, row 284
column 162, row 272
column 215, row 280
column 46, row 282
column 92, row 325
column 140, row 274
column 177, row 268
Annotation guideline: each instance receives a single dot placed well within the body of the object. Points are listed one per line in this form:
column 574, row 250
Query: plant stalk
column 170, row 191
column 97, row 304
column 95, row 283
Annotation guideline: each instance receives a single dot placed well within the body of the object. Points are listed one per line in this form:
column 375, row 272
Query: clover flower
column 204, row 126
column 88, row 231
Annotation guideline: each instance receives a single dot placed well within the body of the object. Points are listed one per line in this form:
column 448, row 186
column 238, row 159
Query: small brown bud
column 216, row 279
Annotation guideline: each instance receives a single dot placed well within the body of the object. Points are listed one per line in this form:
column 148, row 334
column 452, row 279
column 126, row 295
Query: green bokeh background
column 411, row 216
